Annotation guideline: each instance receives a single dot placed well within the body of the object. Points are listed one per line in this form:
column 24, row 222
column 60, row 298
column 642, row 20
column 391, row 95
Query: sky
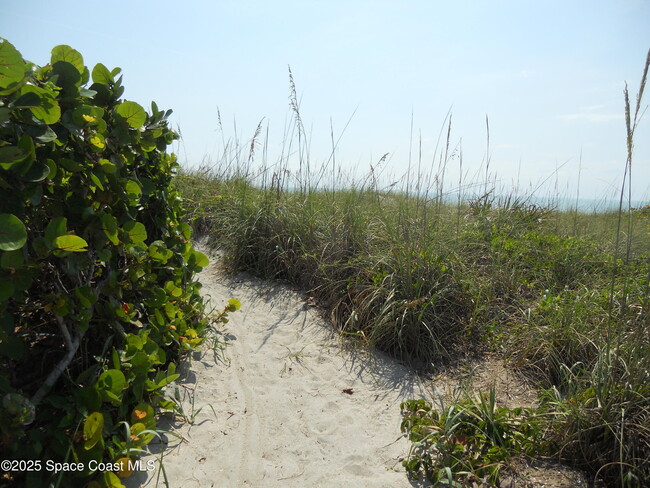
column 379, row 77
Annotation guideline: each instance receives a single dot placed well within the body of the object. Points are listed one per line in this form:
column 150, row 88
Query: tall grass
column 564, row 296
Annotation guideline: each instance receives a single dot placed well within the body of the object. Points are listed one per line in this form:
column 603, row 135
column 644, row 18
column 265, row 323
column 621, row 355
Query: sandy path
column 275, row 412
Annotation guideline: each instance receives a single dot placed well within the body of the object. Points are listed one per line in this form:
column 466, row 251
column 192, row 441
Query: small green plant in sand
column 471, row 440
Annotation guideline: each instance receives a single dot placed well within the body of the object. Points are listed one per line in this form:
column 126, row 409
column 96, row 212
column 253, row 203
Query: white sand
column 275, row 414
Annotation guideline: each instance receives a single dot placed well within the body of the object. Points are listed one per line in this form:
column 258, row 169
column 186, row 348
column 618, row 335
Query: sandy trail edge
column 275, row 413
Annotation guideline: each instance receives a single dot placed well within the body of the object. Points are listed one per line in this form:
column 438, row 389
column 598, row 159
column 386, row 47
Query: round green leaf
column 233, row 305
column 102, row 75
column 66, row 76
column 98, row 141
column 29, row 99
column 173, row 290
column 55, row 228
column 93, row 429
column 37, row 172
column 112, row 380
column 133, row 191
column 42, row 133
column 10, row 155
column 12, row 66
column 48, row 110
column 133, row 113
column 69, row 55
column 109, row 226
column 89, row 397
column 70, row 243
column 200, row 259
column 13, row 234
column 136, row 231
column 111, row 480
column 27, row 145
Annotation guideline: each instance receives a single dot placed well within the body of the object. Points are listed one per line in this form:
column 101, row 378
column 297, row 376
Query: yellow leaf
column 125, row 467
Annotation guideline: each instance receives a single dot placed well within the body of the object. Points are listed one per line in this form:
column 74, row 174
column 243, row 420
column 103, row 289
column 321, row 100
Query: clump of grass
column 469, row 442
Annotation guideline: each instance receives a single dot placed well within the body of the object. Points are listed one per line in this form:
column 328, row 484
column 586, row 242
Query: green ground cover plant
column 98, row 300
column 562, row 295
column 470, row 441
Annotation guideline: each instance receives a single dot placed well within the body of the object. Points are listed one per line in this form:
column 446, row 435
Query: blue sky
column 549, row 75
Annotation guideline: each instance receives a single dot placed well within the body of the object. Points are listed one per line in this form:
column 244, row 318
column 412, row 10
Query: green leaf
column 148, row 186
column 42, row 133
column 27, row 145
column 107, row 167
column 89, row 397
column 95, row 179
column 111, row 480
column 133, row 113
column 101, row 75
column 69, row 55
column 98, row 141
column 70, row 165
column 37, row 172
column 133, row 191
column 140, row 361
column 136, row 232
column 233, row 305
column 112, row 381
column 12, row 66
column 66, row 76
column 70, row 243
column 85, row 92
column 109, row 226
column 13, row 234
column 186, row 230
column 57, row 227
column 48, row 111
column 200, row 259
column 167, row 380
column 159, row 252
column 85, row 115
column 93, row 429
column 29, row 99
column 6, row 291
column 61, row 306
column 172, row 289
column 11, row 259
column 86, row 296
column 10, row 155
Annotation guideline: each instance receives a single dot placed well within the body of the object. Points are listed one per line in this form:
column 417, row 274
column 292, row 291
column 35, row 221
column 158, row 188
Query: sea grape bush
column 97, row 297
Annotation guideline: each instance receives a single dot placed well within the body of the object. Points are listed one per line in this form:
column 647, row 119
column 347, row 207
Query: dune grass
column 562, row 295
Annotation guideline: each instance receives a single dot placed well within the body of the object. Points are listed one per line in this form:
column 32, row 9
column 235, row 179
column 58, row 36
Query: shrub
column 97, row 298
